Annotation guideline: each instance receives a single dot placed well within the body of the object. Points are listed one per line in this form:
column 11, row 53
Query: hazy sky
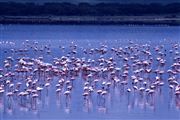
column 96, row 1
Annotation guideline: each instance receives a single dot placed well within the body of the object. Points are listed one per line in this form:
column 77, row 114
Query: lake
column 119, row 104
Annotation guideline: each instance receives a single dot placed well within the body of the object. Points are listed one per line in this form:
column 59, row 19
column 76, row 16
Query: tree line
column 86, row 9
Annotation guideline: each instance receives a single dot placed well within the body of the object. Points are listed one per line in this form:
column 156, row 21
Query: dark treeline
column 86, row 9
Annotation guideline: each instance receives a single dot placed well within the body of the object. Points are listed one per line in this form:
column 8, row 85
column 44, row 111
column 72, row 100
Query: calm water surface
column 119, row 104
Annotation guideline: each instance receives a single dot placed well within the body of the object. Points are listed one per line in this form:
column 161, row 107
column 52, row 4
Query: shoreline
column 92, row 20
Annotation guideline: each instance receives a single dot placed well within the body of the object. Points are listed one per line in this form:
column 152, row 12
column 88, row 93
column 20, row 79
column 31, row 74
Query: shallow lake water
column 119, row 104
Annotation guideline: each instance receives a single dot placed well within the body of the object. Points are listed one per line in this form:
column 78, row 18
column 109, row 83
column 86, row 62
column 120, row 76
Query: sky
column 97, row 1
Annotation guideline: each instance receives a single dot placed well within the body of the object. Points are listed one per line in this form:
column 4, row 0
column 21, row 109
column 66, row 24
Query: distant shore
column 99, row 20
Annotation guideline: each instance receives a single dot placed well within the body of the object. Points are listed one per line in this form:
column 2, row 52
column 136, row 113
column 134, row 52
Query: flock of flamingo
column 135, row 70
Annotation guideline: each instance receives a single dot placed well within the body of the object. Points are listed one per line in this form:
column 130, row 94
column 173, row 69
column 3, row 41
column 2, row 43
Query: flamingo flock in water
column 136, row 70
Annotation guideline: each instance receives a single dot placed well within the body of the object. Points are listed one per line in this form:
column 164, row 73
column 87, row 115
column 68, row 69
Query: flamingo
column 34, row 100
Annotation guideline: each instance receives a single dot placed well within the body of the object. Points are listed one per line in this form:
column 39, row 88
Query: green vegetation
column 85, row 13
column 86, row 9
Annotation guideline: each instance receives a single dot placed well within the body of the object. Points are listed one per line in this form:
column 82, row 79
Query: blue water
column 118, row 106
